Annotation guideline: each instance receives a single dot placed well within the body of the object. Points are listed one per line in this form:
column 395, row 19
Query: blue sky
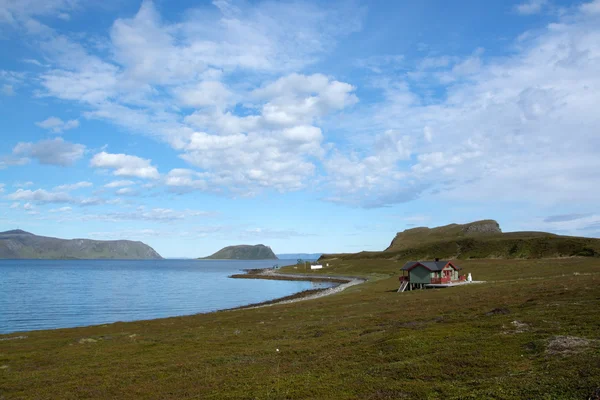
column 307, row 126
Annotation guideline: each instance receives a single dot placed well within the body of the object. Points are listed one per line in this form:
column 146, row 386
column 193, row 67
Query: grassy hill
column 480, row 239
column 243, row 252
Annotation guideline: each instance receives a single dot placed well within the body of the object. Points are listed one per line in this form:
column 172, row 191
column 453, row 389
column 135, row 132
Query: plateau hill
column 479, row 239
column 243, row 252
column 18, row 244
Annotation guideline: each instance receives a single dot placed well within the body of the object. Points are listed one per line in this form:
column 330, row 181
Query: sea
column 50, row 294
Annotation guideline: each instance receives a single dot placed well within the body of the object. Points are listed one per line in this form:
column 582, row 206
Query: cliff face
column 418, row 236
column 244, row 252
column 18, row 244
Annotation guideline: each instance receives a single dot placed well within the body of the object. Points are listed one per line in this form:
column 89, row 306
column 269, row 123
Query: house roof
column 430, row 265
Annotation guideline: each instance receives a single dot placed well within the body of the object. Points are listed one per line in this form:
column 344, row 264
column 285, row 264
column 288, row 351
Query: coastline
column 344, row 282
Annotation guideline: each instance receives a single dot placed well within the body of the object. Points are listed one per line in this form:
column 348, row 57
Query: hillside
column 418, row 236
column 301, row 256
column 243, row 252
column 18, row 244
column 480, row 239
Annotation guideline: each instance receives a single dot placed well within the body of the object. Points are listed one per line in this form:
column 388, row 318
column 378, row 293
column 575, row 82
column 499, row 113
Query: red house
column 422, row 274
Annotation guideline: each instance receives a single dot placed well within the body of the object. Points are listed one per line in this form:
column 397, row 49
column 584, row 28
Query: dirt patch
column 87, row 340
column 13, row 338
column 517, row 327
column 566, row 345
column 497, row 311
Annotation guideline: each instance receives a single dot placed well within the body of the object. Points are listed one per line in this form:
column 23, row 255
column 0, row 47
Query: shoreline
column 343, row 282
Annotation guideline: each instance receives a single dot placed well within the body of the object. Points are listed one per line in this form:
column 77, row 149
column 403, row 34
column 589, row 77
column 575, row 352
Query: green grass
column 367, row 342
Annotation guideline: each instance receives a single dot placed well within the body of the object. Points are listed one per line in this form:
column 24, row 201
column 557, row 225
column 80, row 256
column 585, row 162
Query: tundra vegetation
column 531, row 331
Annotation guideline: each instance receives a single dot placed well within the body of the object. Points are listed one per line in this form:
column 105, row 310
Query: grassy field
column 532, row 331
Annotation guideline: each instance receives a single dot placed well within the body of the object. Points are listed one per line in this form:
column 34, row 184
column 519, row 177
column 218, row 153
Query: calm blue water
column 45, row 294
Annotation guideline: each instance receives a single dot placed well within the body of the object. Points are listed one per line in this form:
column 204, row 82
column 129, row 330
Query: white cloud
column 57, row 125
column 530, row 7
column 9, row 161
column 8, row 90
column 154, row 214
column 61, row 210
column 20, row 11
column 268, row 233
column 73, row 186
column 125, row 165
column 40, row 196
column 51, row 152
column 154, row 64
column 591, row 7
column 15, row 205
column 2, row 187
column 500, row 131
column 205, row 93
column 117, row 184
column 428, row 134
column 126, row 191
column 28, row 206
column 23, row 184
column 183, row 180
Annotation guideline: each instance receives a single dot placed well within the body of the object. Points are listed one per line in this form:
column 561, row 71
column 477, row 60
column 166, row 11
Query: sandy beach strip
column 344, row 283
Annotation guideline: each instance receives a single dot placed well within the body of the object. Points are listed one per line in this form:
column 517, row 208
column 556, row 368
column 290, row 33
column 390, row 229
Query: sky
column 305, row 126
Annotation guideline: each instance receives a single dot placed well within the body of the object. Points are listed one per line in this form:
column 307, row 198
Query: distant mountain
column 479, row 239
column 244, row 252
column 301, row 256
column 20, row 244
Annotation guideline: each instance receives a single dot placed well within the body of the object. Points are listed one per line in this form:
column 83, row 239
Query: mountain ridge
column 19, row 244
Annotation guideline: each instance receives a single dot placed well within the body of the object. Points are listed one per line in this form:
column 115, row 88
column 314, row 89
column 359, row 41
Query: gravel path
column 352, row 281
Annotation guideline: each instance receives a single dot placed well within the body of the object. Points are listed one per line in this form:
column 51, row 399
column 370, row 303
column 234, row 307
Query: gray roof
column 432, row 265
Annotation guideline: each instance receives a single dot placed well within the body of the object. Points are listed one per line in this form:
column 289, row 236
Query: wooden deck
column 451, row 284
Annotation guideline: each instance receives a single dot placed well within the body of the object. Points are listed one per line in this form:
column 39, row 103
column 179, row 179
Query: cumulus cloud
column 73, row 186
column 192, row 61
column 530, row 7
column 495, row 127
column 51, row 152
column 498, row 134
column 15, row 12
column 57, row 125
column 184, row 180
column 125, row 165
column 117, row 184
column 9, row 161
column 126, row 191
column 40, row 196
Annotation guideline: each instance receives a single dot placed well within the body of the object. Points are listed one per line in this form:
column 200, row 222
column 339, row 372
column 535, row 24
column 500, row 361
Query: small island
column 243, row 252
